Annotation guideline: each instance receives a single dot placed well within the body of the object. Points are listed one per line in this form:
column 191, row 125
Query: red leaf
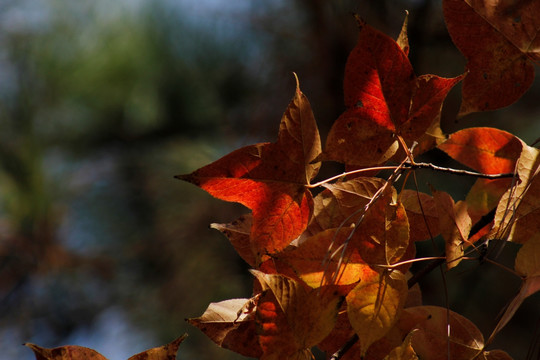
column 497, row 40
column 270, row 179
column 383, row 98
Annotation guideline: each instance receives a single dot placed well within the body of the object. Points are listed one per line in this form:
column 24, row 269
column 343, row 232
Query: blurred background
column 102, row 103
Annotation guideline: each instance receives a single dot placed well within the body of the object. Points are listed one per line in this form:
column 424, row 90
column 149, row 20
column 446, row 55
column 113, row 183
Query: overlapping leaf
column 292, row 318
column 270, row 179
column 375, row 304
column 488, row 151
column 516, row 218
column 422, row 214
column 498, row 39
column 455, row 224
column 383, row 98
column 231, row 325
column 436, row 332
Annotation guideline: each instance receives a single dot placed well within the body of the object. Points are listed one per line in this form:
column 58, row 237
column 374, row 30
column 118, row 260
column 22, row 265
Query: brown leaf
column 68, row 352
column 383, row 235
column 431, row 339
column 516, row 218
column 455, row 224
column 498, row 40
column 165, row 352
column 231, row 325
column 337, row 204
column 422, row 215
column 238, row 232
column 308, row 314
column 405, row 351
column 375, row 305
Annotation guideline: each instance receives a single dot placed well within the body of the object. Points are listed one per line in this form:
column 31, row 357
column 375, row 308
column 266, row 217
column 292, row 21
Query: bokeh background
column 102, row 103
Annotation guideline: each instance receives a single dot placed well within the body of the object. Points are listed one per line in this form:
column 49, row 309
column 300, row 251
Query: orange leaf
column 270, row 179
column 231, row 325
column 486, row 150
column 498, row 40
column 314, row 262
column 455, row 224
column 435, row 331
column 375, row 305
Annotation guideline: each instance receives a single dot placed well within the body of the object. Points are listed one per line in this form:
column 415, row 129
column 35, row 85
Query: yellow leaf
column 375, row 305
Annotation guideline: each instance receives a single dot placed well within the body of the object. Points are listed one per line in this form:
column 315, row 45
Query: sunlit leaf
column 375, row 305
column 517, row 216
column 270, row 179
column 405, row 351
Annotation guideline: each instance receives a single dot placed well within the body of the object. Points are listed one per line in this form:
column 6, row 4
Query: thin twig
column 431, row 166
column 349, row 344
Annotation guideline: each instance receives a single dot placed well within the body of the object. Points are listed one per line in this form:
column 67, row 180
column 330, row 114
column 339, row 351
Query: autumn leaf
column 238, row 232
column 488, row 151
column 405, row 351
column 383, row 235
column 528, row 265
column 74, row 352
column 455, row 224
column 436, row 333
column 422, row 214
column 293, row 318
column 231, row 325
column 68, row 352
column 316, row 264
column 341, row 204
column 498, row 39
column 517, row 214
column 383, row 98
column 494, row 355
column 165, row 352
column 375, row 304
column 270, row 179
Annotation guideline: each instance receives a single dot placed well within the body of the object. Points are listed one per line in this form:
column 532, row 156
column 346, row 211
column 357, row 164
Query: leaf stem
column 326, row 181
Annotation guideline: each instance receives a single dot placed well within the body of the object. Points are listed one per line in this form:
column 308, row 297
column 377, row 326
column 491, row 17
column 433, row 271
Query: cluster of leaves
column 331, row 259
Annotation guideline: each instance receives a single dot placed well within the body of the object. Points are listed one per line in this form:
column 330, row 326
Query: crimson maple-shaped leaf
column 498, row 38
column 270, row 179
column 384, row 98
